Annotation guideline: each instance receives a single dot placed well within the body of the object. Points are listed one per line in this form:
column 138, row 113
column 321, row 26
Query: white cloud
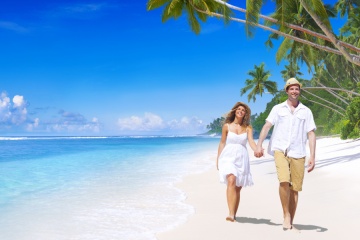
column 69, row 122
column 14, row 116
column 36, row 122
column 148, row 122
column 30, row 126
column 4, row 108
column 93, row 126
column 153, row 122
column 18, row 101
column 81, row 8
column 4, row 101
column 186, row 123
column 13, row 27
column 14, row 112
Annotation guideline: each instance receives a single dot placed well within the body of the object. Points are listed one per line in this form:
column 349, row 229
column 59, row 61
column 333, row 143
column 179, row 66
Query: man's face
column 293, row 92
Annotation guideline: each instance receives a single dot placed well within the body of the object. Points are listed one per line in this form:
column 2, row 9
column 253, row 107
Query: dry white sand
column 328, row 206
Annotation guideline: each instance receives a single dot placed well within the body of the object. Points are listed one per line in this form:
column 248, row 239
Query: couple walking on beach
column 293, row 126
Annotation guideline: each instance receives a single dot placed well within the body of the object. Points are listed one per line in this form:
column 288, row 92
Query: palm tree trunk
column 336, row 89
column 330, row 90
column 325, row 106
column 292, row 26
column 324, row 48
column 334, row 94
column 355, row 59
column 333, row 104
column 331, row 36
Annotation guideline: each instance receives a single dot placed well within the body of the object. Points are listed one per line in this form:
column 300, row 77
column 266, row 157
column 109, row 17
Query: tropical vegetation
column 307, row 39
column 259, row 82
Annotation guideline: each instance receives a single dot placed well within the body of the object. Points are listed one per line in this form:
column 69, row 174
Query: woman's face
column 240, row 112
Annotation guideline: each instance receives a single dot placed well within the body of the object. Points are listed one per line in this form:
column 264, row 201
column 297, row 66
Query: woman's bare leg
column 238, row 189
column 231, row 196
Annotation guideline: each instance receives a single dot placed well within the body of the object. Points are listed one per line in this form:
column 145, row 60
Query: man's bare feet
column 287, row 222
column 293, row 228
column 231, row 219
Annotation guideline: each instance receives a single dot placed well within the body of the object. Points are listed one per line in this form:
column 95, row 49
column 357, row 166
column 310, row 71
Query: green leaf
column 283, row 49
column 253, row 8
column 153, row 4
column 317, row 7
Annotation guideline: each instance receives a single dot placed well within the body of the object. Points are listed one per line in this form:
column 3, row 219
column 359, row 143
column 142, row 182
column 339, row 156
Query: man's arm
column 264, row 132
column 312, row 146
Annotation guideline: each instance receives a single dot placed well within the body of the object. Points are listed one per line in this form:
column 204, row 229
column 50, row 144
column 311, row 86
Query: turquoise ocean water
column 96, row 187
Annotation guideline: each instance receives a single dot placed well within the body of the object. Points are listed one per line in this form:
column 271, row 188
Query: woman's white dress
column 234, row 159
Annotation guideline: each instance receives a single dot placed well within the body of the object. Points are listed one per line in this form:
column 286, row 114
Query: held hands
column 259, row 152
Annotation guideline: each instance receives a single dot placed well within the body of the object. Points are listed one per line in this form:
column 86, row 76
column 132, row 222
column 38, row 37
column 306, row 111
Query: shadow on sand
column 256, row 221
column 268, row 222
column 310, row 228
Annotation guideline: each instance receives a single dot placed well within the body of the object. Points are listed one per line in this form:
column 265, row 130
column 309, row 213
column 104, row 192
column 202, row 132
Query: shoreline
column 326, row 190
column 57, row 188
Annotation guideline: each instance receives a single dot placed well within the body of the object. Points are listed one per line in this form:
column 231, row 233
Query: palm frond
column 269, row 43
column 192, row 20
column 245, row 89
column 283, row 49
column 203, row 6
column 252, row 95
column 271, row 87
column 225, row 11
column 319, row 9
column 253, row 8
column 153, row 4
column 173, row 9
column 346, row 6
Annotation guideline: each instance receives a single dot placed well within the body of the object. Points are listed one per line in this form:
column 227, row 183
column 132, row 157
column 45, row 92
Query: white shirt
column 290, row 130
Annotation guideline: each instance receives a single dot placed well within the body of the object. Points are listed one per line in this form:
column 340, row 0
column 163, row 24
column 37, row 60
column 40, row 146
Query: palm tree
column 198, row 9
column 351, row 31
column 346, row 6
column 304, row 24
column 313, row 10
column 259, row 82
column 291, row 71
column 293, row 50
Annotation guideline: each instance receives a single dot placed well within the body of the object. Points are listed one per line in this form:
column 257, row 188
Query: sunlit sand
column 328, row 205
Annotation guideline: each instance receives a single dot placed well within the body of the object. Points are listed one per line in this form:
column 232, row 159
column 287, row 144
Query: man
column 293, row 125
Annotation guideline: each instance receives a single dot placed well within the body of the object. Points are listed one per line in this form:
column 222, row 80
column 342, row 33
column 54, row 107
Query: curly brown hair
column 231, row 115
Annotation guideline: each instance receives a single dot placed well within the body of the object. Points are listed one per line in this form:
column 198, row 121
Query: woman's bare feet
column 231, row 219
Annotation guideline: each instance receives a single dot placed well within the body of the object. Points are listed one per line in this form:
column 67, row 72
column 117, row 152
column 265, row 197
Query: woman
column 233, row 159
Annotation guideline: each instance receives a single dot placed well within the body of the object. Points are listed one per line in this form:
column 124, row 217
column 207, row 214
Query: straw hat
column 290, row 82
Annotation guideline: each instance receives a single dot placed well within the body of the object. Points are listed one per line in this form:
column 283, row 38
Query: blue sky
column 110, row 67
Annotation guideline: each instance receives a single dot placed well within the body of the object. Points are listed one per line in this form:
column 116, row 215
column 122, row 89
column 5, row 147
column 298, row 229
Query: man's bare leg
column 231, row 197
column 284, row 192
column 294, row 196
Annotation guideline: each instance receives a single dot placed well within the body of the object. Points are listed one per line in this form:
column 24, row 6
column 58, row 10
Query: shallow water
column 96, row 188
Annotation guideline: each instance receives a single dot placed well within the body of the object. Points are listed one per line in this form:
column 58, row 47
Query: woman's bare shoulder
column 249, row 128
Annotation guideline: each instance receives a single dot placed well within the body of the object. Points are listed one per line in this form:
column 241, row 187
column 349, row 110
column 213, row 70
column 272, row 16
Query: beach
column 165, row 188
column 327, row 208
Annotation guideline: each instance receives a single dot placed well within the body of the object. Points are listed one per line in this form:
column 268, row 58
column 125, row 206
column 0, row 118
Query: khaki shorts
column 290, row 170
